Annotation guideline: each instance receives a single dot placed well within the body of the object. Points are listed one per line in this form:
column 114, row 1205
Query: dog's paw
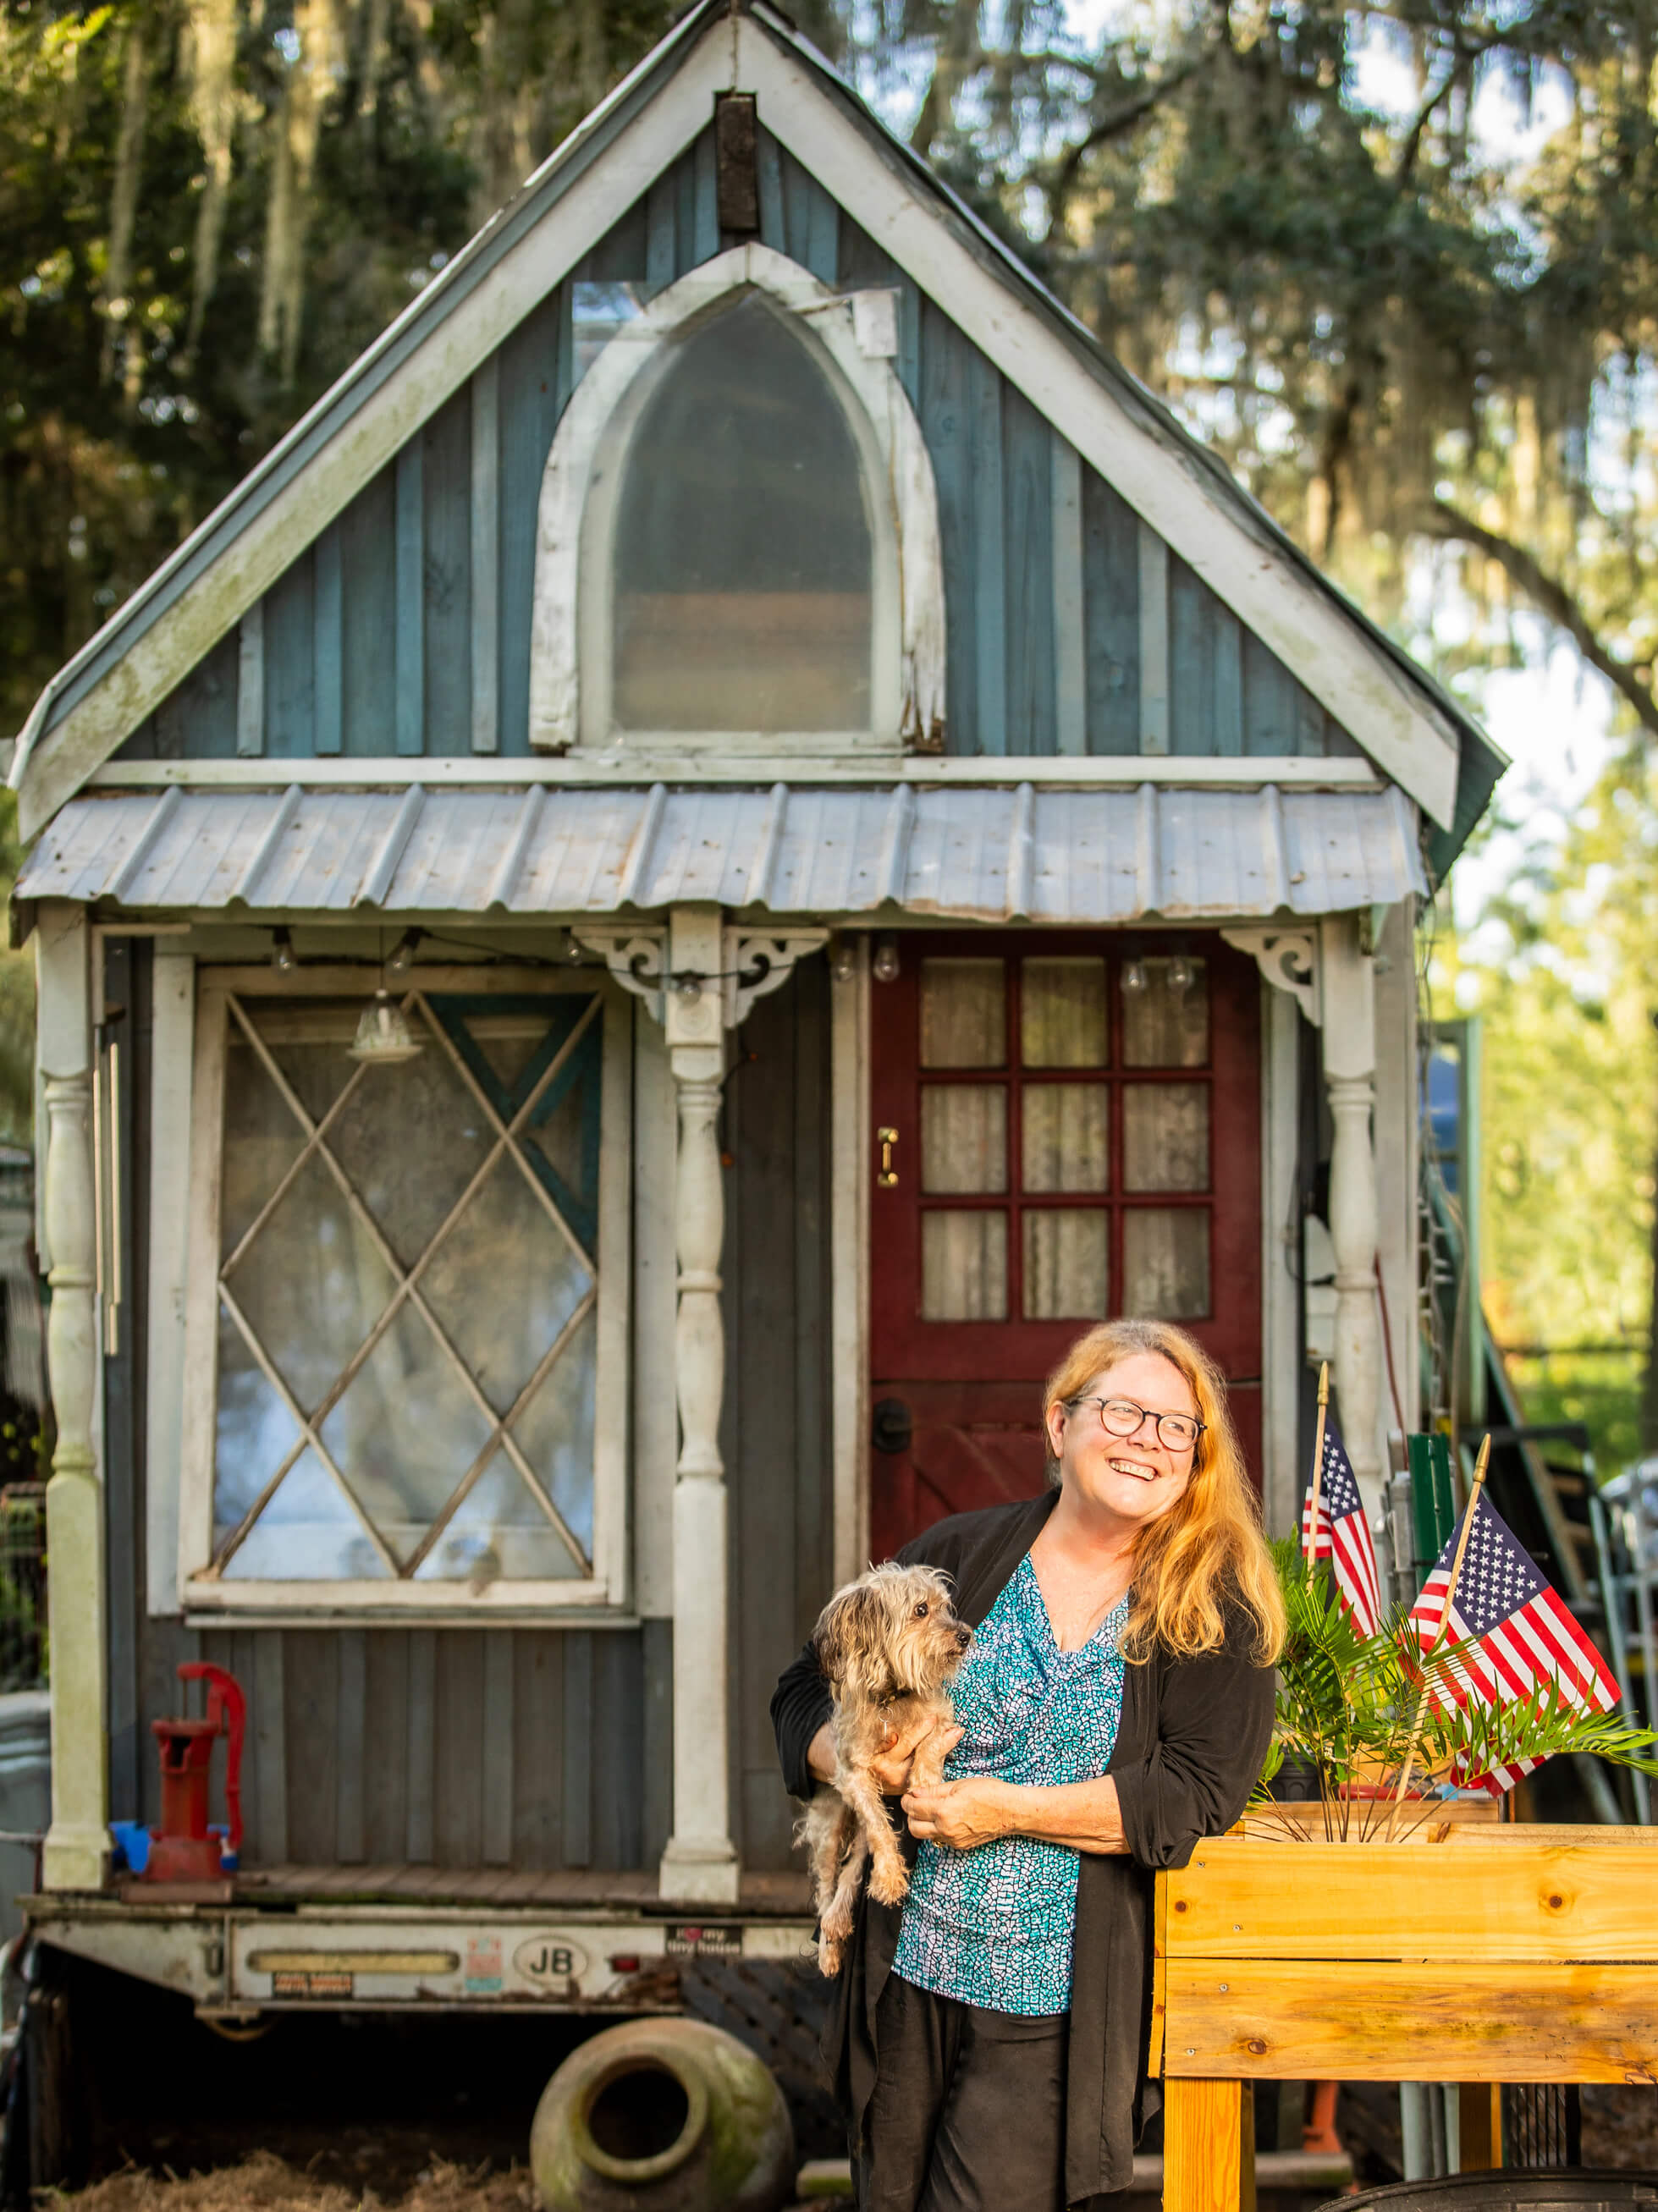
column 837, row 1923
column 829, row 1955
column 889, row 1885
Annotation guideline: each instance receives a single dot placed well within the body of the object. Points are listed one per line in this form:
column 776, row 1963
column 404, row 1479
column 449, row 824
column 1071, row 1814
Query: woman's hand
column 962, row 1814
column 890, row 1766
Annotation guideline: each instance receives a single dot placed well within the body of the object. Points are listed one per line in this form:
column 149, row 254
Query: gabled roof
column 1412, row 729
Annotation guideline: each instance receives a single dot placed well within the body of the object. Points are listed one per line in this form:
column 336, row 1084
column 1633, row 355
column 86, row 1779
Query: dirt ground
column 264, row 2183
column 1620, row 2130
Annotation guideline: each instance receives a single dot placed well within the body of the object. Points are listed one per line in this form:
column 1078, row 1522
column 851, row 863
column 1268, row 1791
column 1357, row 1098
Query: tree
column 208, row 209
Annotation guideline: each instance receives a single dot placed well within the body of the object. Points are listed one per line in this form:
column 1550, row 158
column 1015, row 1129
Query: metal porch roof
column 972, row 854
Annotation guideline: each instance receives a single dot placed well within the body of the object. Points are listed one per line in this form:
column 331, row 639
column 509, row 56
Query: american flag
column 1343, row 1536
column 1513, row 1633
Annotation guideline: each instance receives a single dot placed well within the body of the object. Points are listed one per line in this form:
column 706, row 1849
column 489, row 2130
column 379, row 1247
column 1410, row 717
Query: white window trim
column 570, row 638
column 204, row 1595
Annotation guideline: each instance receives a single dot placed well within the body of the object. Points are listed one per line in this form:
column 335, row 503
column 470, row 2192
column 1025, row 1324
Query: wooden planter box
column 1471, row 1953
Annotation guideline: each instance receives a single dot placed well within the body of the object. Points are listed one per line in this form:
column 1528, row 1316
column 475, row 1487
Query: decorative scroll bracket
column 634, row 956
column 1288, row 959
column 752, row 961
column 758, row 964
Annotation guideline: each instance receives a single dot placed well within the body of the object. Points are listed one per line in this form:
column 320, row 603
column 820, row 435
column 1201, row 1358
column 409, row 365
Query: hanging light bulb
column 282, row 952
column 1181, row 978
column 403, row 957
column 383, row 1034
column 843, row 960
column 884, row 966
column 1133, row 976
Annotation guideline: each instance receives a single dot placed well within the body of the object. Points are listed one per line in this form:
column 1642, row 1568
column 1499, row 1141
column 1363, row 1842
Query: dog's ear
column 843, row 1637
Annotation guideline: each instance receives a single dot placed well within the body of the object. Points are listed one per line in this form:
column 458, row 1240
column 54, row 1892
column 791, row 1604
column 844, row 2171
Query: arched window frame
column 571, row 653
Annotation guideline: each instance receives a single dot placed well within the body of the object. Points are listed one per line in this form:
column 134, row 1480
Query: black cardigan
column 1190, row 1744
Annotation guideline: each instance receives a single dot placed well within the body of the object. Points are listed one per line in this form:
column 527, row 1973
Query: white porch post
column 1348, row 992
column 77, row 1842
column 700, row 1863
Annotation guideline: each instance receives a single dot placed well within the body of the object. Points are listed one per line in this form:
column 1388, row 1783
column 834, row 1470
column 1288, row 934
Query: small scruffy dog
column 888, row 1644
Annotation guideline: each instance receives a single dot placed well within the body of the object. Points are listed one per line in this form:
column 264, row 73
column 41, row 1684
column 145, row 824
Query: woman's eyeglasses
column 1121, row 1417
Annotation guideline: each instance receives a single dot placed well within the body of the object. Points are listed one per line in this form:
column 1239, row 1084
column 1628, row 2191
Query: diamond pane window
column 406, row 1292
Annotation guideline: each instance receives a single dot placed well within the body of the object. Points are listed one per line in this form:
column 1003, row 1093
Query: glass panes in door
column 1066, row 1102
column 408, row 1281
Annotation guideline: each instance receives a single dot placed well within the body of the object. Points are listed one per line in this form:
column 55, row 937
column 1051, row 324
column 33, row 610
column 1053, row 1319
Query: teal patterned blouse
column 993, row 1927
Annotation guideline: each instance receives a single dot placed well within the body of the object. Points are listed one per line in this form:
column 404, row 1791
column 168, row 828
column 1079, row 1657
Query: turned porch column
column 700, row 1863
column 1348, row 992
column 77, row 1842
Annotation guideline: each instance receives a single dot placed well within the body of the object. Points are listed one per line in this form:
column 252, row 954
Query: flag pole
column 1310, row 1541
column 1479, row 1467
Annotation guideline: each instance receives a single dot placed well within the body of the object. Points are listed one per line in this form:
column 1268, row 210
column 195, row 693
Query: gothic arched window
column 741, row 581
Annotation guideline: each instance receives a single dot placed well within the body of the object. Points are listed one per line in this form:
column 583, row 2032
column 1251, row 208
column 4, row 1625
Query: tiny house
column 733, row 838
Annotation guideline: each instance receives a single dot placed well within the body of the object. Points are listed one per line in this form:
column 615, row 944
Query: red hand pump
column 183, row 1849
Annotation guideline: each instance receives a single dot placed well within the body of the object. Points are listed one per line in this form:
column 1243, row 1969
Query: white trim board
column 1197, row 771
column 1402, row 731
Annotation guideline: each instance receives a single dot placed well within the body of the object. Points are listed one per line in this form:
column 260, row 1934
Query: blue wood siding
column 369, row 640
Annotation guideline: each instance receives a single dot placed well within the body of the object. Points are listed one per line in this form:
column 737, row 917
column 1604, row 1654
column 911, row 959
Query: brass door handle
column 887, row 1139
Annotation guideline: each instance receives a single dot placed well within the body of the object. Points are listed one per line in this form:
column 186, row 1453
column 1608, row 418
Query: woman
column 989, row 2038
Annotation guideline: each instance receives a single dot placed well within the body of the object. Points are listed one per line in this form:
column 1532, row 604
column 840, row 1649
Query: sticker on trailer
column 550, row 1962
column 313, row 1985
column 695, row 1939
column 482, row 1975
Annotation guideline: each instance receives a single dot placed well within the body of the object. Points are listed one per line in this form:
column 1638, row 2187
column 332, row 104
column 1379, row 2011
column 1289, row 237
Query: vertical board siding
column 1206, row 685
column 198, row 720
column 351, row 1720
column 369, row 612
column 383, row 1750
column 530, row 401
column 420, row 1754
column 578, row 1741
column 775, row 1427
column 947, row 425
column 406, row 629
column 447, row 577
column 537, row 1752
column 483, row 540
column 409, row 645
column 311, row 1707
column 249, row 683
column 1027, row 509
column 499, row 1746
column 533, row 1749
column 327, row 642
column 457, row 1804
column 289, row 665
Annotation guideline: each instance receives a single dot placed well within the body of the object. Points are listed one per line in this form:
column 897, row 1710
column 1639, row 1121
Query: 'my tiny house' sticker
column 697, row 1940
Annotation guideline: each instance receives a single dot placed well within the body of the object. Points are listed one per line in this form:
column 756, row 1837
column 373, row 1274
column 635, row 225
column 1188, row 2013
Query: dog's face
column 891, row 1633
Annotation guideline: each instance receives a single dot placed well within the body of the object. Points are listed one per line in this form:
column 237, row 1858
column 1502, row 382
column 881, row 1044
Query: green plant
column 1351, row 1705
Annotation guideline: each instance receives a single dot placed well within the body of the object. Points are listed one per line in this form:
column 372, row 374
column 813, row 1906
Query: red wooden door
column 1066, row 1127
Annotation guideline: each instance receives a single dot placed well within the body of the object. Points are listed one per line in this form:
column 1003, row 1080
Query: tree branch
column 1120, row 119
column 1550, row 596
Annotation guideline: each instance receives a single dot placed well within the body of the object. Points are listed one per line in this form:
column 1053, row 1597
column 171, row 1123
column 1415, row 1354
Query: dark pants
column 968, row 2109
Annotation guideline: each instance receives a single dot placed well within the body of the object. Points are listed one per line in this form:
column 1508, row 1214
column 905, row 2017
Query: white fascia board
column 251, row 561
column 492, row 771
column 1302, row 623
